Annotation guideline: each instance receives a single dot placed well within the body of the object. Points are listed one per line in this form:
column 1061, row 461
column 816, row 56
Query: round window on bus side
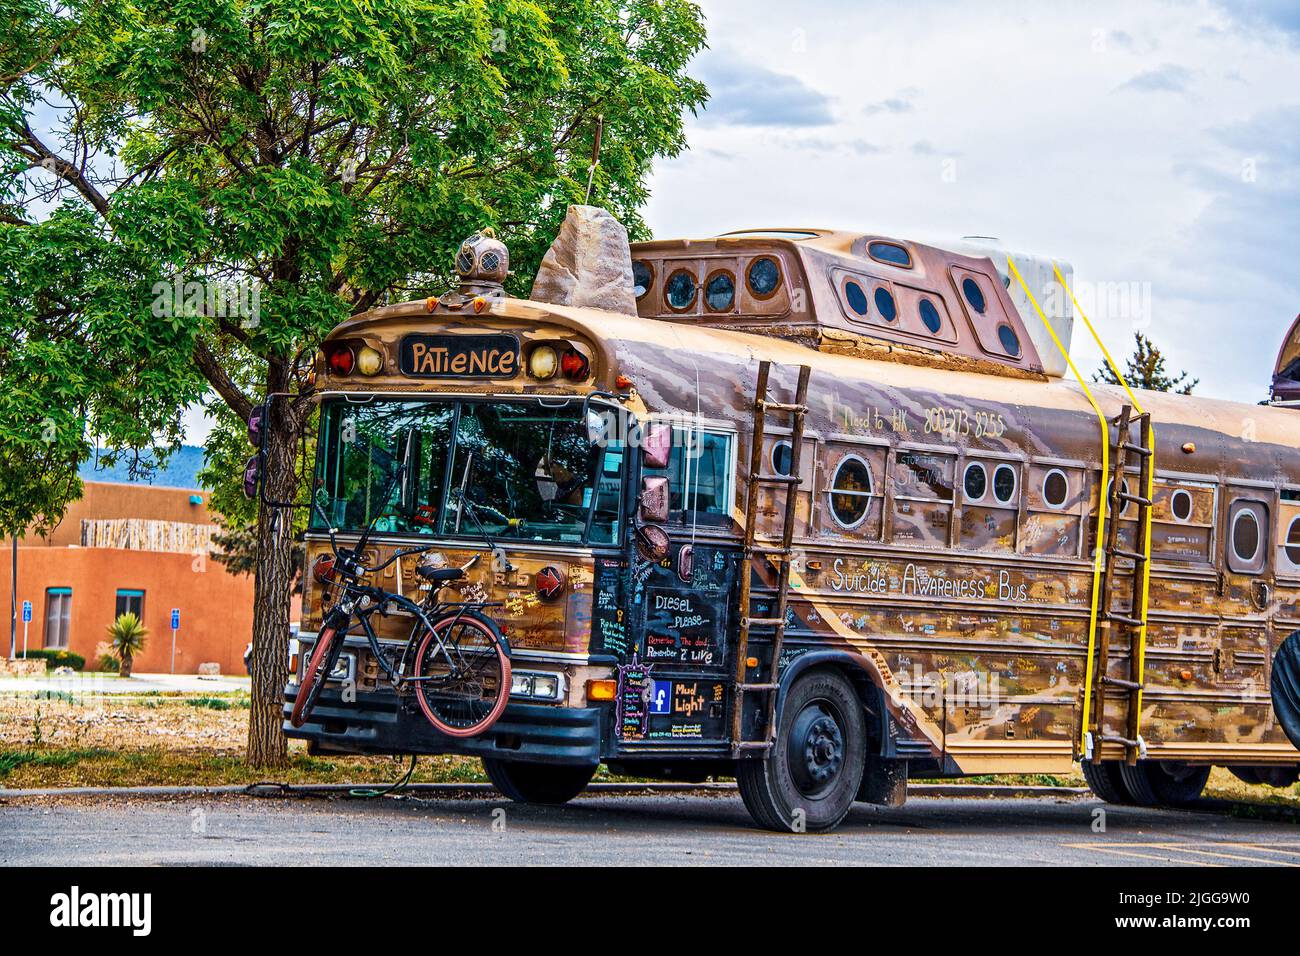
column 1056, row 488
column 1009, row 340
column 856, row 298
column 975, row 481
column 885, row 304
column 763, row 277
column 1293, row 542
column 1245, row 536
column 930, row 316
column 974, row 294
column 1004, row 484
column 850, row 494
column 643, row 275
column 1180, row 504
column 680, row 291
column 781, row 457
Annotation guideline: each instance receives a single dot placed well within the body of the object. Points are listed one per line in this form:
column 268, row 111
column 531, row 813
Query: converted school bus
column 878, row 471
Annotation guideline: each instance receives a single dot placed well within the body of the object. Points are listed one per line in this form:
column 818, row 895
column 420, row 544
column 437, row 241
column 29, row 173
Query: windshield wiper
column 467, row 505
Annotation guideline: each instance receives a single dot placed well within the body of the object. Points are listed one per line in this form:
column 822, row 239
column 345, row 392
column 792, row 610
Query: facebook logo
column 661, row 694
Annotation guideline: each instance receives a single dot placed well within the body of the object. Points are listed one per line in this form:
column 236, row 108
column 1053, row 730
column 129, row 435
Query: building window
column 58, row 617
column 974, row 295
column 891, row 253
column 856, row 298
column 1004, row 484
column 850, row 492
column 129, row 602
column 1056, row 488
column 930, row 316
column 764, row 277
column 885, row 304
column 680, row 292
column 975, row 482
column 720, row 292
column 643, row 275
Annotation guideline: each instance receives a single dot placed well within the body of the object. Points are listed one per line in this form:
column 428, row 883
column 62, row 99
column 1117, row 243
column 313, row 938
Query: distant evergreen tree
column 1146, row 369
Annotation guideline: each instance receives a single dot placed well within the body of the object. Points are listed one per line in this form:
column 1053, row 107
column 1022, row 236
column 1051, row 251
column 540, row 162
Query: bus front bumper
column 376, row 723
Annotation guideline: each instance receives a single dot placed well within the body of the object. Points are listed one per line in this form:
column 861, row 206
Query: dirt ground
column 155, row 739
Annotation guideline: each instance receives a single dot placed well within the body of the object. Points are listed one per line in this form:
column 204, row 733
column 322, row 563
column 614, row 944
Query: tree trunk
column 272, row 593
column 127, row 663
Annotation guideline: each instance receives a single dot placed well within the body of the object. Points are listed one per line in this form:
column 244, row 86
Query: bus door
column 673, row 682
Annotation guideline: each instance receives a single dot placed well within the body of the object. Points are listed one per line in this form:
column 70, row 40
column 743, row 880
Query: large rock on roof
column 588, row 264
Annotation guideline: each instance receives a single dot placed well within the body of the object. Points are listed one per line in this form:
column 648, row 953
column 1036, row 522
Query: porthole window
column 975, row 481
column 764, row 277
column 930, row 316
column 1245, row 536
column 1180, row 504
column 642, row 277
column 856, row 298
column 1056, row 488
column 1004, row 484
column 1010, row 341
column 680, row 292
column 974, row 295
column 781, row 457
column 1118, row 505
column 720, row 292
column 891, row 253
column 1293, row 542
column 850, row 492
column 885, row 304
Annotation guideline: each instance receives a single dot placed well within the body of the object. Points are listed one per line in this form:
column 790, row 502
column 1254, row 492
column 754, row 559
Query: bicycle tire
column 436, row 708
column 314, row 677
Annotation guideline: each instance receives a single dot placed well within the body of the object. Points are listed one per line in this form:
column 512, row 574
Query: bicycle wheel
column 465, row 682
column 323, row 657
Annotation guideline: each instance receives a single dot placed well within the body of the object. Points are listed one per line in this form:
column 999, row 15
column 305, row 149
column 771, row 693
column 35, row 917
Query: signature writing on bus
column 917, row 581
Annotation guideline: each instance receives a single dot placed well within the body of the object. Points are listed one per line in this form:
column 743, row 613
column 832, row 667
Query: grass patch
column 32, row 757
column 220, row 703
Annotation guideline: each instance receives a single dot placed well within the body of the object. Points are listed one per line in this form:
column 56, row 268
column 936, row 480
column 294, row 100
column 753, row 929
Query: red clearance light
column 342, row 360
column 574, row 365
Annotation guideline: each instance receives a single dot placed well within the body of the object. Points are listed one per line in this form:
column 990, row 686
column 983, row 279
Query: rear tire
column 1271, row 776
column 466, row 703
column 1154, row 783
column 811, row 776
column 551, row 784
column 1106, row 781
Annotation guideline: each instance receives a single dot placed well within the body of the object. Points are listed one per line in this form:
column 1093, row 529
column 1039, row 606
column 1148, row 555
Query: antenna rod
column 595, row 157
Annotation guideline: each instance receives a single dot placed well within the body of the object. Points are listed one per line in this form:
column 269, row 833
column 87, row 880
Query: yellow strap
column 1149, row 494
column 1101, row 504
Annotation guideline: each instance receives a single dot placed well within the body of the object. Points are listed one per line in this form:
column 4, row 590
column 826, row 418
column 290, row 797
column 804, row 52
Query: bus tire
column 1155, row 783
column 1280, row 776
column 811, row 776
column 1106, row 781
column 538, row 782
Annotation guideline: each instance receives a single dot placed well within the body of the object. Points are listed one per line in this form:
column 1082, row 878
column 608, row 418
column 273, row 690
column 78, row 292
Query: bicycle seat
column 439, row 575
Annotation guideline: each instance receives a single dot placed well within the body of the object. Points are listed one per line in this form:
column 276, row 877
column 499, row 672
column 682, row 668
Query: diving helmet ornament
column 483, row 261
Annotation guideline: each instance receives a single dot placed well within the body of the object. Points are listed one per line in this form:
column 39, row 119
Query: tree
column 126, row 635
column 1146, row 369
column 304, row 160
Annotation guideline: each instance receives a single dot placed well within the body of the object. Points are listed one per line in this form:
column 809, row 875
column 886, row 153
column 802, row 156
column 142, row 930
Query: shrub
column 127, row 636
column 56, row 658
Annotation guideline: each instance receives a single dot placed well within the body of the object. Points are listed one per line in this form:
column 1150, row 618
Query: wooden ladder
column 781, row 554
column 1134, row 618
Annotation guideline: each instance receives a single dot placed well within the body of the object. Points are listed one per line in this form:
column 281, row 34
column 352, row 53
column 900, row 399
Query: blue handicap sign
column 27, row 612
column 661, row 696
column 176, row 618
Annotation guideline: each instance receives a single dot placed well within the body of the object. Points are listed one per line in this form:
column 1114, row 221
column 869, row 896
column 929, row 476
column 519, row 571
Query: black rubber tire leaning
column 811, row 776
column 1106, row 781
column 538, row 782
column 1284, row 684
column 1155, row 783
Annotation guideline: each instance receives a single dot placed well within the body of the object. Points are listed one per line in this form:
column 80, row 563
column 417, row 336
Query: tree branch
column 211, row 368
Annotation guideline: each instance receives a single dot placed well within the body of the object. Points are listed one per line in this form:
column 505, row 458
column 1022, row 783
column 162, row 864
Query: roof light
column 543, row 362
column 574, row 365
column 341, row 360
column 369, row 360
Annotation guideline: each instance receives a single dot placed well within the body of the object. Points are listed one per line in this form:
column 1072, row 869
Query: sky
column 1155, row 146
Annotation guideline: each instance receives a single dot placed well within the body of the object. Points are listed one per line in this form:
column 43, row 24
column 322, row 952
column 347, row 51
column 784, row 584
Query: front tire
column 1155, row 783
column 537, row 782
column 811, row 776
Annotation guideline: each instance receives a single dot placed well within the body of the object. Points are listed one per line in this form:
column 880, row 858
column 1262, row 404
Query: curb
column 271, row 789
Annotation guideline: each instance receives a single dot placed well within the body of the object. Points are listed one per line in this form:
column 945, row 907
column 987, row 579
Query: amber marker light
column 601, row 689
column 623, row 382
column 543, row 362
column 369, row 361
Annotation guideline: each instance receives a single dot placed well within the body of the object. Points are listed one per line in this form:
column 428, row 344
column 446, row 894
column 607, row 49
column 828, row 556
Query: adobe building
column 132, row 547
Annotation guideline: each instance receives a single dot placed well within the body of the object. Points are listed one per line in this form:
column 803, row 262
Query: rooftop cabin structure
column 861, row 294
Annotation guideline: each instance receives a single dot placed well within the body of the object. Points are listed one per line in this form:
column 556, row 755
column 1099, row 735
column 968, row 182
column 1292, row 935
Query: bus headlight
column 536, row 685
column 543, row 362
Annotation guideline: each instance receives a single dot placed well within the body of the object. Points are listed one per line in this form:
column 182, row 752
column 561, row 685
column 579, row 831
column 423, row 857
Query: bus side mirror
column 252, row 476
column 656, row 444
column 653, row 502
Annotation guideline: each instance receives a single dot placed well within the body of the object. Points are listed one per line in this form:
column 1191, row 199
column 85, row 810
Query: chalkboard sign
column 635, row 693
column 682, row 627
column 609, row 630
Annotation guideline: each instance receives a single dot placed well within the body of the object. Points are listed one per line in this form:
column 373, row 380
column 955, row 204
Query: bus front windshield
column 517, row 470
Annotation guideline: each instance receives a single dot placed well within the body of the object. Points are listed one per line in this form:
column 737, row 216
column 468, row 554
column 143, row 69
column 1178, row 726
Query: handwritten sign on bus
column 459, row 356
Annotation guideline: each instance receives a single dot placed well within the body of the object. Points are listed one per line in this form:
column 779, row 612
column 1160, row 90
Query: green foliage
column 1146, row 369
column 109, row 664
column 127, row 636
column 55, row 658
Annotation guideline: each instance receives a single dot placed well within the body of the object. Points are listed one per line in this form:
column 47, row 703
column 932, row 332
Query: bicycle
column 456, row 662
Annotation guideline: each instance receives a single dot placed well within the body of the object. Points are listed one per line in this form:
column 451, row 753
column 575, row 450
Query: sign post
column 176, row 626
column 27, row 619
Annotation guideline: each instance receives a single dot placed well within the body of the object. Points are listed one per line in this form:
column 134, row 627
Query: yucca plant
column 127, row 635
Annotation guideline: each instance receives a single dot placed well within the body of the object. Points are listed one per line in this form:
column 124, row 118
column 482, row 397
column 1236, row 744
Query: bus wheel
column 809, row 779
column 1105, row 780
column 1155, row 783
column 537, row 782
column 1273, row 776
